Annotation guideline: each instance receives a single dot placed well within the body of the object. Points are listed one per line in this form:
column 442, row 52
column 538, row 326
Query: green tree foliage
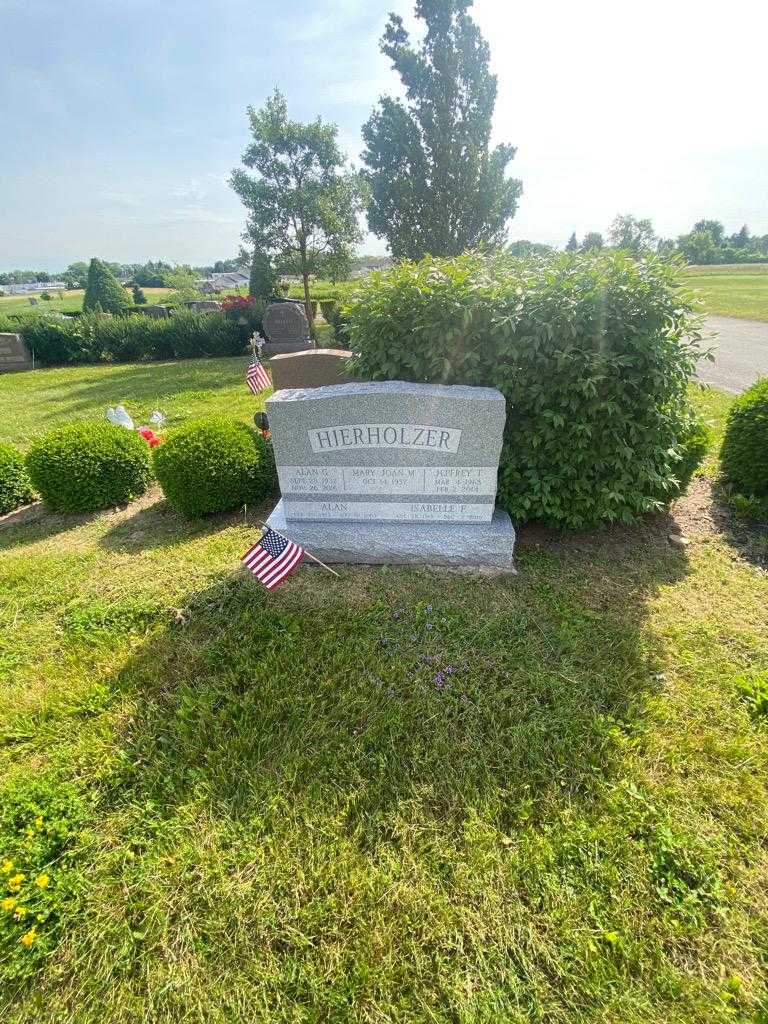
column 103, row 291
column 184, row 283
column 744, row 454
column 592, row 240
column 713, row 228
column 303, row 204
column 15, row 485
column 697, row 247
column 436, row 186
column 741, row 239
column 264, row 279
column 523, row 248
column 138, row 295
column 632, row 235
column 573, row 243
column 599, row 427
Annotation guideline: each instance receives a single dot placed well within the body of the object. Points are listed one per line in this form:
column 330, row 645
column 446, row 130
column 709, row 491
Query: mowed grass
column 71, row 301
column 740, row 291
column 398, row 796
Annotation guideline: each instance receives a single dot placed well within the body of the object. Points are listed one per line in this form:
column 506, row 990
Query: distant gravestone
column 156, row 312
column 204, row 306
column 14, row 354
column 312, row 368
column 392, row 471
column 32, row 302
column 286, row 327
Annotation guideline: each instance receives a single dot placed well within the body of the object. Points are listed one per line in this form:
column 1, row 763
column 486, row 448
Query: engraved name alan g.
column 384, row 435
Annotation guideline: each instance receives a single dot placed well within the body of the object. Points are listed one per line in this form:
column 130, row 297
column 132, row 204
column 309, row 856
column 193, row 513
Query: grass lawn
column 740, row 291
column 71, row 301
column 255, row 808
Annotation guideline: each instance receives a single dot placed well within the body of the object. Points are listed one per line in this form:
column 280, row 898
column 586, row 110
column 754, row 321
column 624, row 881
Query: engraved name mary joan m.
column 384, row 435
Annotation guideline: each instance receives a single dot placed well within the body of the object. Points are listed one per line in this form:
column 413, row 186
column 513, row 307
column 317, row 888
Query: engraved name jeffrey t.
column 384, row 435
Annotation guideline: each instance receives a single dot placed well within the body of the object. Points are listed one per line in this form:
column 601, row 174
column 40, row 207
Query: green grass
column 265, row 808
column 740, row 291
column 71, row 301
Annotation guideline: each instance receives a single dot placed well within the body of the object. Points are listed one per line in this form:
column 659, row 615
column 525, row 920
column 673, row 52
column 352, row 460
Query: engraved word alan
column 384, row 435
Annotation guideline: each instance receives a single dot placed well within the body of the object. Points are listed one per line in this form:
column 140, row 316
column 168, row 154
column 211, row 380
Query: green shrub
column 693, row 442
column 593, row 353
column 15, row 485
column 214, row 465
column 94, row 337
column 89, row 465
column 103, row 291
column 744, row 455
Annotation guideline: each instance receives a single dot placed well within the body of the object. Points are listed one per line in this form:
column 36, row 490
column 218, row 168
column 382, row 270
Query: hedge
column 744, row 454
column 593, row 353
column 15, row 485
column 98, row 338
column 213, row 465
column 89, row 465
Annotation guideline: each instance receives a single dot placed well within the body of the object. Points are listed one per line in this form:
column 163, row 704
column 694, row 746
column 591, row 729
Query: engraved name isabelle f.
column 384, row 435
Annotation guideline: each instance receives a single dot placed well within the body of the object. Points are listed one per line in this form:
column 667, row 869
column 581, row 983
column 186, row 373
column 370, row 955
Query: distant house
column 34, row 286
column 216, row 283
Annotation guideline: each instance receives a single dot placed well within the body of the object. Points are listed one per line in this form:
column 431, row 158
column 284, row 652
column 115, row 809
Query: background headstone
column 392, row 471
column 157, row 312
column 14, row 354
column 286, row 327
column 312, row 368
column 203, row 306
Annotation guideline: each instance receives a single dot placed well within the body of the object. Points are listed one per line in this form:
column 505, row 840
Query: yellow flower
column 7, row 867
column 38, row 822
column 20, row 912
column 28, row 937
column 14, row 884
column 42, row 881
column 8, row 903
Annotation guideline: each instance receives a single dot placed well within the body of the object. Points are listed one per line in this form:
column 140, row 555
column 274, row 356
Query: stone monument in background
column 286, row 327
column 14, row 354
column 392, row 472
column 312, row 368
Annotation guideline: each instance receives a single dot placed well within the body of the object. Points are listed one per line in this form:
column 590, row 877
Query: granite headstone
column 14, row 354
column 392, row 472
column 156, row 312
column 312, row 368
column 286, row 327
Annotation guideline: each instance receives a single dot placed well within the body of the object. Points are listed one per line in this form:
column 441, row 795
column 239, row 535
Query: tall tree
column 573, row 243
column 303, row 206
column 592, row 240
column 742, row 238
column 631, row 234
column 713, row 228
column 436, row 186
column 103, row 291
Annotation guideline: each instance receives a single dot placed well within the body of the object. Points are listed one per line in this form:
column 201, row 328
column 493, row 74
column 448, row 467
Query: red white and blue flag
column 273, row 558
column 256, row 377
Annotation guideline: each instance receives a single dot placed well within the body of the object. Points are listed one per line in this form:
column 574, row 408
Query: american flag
column 273, row 558
column 256, row 377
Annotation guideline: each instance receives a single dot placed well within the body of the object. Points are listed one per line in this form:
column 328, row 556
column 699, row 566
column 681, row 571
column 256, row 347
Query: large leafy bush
column 15, row 485
column 744, row 455
column 214, row 465
column 89, row 465
column 593, row 353
column 103, row 291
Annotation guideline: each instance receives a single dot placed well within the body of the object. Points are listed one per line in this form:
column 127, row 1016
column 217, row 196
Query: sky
column 121, row 123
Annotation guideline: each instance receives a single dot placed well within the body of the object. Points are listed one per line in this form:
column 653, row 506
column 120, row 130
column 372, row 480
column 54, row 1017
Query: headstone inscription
column 391, row 471
column 286, row 327
column 14, row 354
column 312, row 368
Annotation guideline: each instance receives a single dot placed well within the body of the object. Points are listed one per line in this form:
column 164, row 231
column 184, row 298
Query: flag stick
column 307, row 553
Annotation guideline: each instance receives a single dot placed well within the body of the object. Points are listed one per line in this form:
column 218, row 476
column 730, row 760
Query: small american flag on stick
column 273, row 558
column 256, row 377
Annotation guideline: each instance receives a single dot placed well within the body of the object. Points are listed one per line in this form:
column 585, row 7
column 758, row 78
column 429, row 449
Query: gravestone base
column 482, row 545
column 280, row 348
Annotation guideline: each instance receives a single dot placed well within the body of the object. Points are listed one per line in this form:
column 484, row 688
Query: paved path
column 741, row 356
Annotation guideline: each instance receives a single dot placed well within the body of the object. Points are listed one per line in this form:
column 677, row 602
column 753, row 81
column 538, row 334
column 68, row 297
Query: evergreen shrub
column 15, row 485
column 89, row 465
column 213, row 465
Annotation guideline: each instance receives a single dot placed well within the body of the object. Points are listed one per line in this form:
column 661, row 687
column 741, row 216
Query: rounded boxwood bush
column 593, row 353
column 89, row 465
column 214, row 465
column 744, row 455
column 15, row 485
